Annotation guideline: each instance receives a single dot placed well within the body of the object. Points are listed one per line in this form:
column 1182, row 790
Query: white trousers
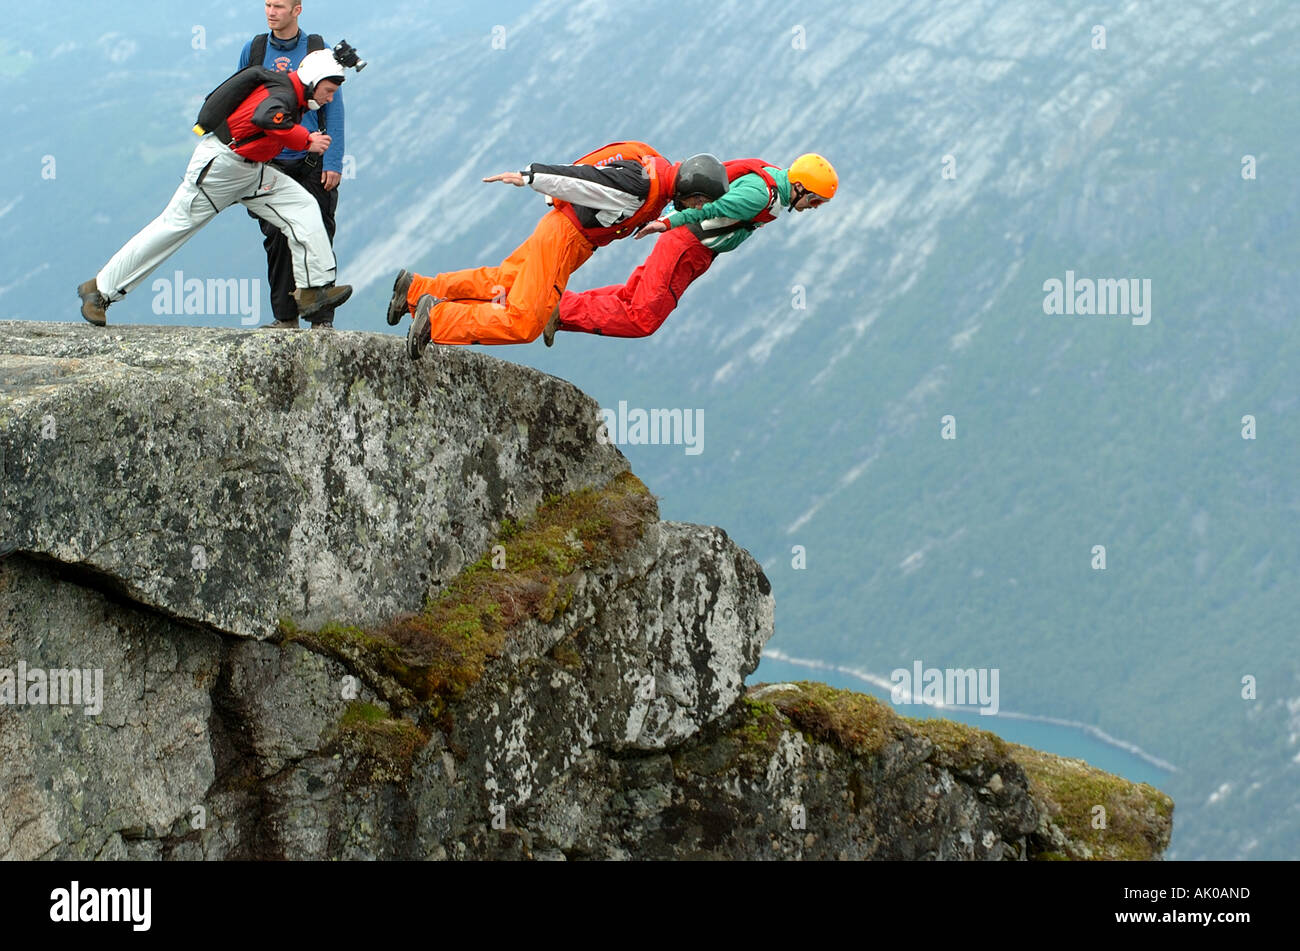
column 215, row 180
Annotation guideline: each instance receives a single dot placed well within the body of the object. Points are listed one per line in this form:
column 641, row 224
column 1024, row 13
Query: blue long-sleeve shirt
column 284, row 56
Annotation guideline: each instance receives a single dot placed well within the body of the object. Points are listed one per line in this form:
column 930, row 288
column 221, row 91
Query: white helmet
column 316, row 67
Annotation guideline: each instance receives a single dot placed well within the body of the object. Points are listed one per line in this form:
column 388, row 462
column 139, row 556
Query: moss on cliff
column 750, row 734
column 1135, row 824
column 530, row 572
column 863, row 725
column 1065, row 792
column 384, row 746
column 854, row 722
column 565, row 653
column 958, row 746
column 760, row 723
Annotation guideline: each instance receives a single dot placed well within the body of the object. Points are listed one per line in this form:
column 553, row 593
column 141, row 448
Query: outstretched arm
column 747, row 197
column 619, row 186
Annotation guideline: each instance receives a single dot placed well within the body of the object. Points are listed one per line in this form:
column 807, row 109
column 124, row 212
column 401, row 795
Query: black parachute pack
column 225, row 99
column 217, row 107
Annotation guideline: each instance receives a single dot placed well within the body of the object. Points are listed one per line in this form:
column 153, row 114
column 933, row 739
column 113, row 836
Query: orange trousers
column 510, row 303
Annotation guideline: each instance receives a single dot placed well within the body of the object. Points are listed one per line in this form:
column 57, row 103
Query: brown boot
column 397, row 307
column 312, row 299
column 417, row 335
column 552, row 325
column 93, row 303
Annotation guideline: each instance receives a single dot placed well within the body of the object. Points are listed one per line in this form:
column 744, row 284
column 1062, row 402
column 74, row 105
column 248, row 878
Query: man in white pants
column 230, row 165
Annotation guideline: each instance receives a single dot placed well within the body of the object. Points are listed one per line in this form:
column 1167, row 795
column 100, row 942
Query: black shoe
column 552, row 325
column 312, row 299
column 93, row 303
column 417, row 335
column 397, row 306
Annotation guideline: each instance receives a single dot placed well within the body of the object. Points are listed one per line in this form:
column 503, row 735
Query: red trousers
column 510, row 303
column 639, row 307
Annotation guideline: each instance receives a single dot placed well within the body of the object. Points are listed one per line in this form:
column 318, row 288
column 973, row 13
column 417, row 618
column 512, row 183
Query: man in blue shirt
column 282, row 49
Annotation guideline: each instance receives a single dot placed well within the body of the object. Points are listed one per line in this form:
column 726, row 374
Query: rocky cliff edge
column 342, row 605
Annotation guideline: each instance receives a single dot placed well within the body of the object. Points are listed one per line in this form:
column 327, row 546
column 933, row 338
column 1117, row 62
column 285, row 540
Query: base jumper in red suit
column 688, row 242
column 639, row 307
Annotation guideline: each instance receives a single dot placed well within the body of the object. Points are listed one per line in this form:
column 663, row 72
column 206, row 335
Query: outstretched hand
column 510, row 178
column 654, row 227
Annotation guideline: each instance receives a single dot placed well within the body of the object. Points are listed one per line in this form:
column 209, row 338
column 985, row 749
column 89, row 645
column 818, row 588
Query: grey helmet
column 701, row 174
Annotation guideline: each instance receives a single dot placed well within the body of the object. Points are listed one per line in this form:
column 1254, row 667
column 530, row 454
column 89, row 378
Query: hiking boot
column 93, row 303
column 552, row 325
column 322, row 324
column 397, row 306
column 417, row 335
column 278, row 324
column 312, row 299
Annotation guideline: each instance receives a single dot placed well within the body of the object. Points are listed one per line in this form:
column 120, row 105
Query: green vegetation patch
column 1137, row 819
column 749, row 735
column 531, row 571
column 566, row 654
column 761, row 724
column 1066, row 792
column 854, row 722
column 385, row 746
column 958, row 746
column 864, row 726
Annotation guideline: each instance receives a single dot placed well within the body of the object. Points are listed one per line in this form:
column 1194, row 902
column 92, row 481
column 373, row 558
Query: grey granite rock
column 226, row 524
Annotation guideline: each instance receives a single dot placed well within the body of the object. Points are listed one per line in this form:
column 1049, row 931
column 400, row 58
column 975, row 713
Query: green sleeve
column 747, row 196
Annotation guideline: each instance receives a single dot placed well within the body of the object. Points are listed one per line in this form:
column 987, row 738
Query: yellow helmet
column 815, row 174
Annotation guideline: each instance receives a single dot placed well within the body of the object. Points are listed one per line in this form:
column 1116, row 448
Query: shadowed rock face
column 349, row 606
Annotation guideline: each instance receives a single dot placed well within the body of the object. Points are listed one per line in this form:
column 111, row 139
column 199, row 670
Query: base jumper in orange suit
column 595, row 204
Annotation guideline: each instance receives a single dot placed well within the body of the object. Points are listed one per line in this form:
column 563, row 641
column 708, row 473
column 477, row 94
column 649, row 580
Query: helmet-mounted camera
column 347, row 56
